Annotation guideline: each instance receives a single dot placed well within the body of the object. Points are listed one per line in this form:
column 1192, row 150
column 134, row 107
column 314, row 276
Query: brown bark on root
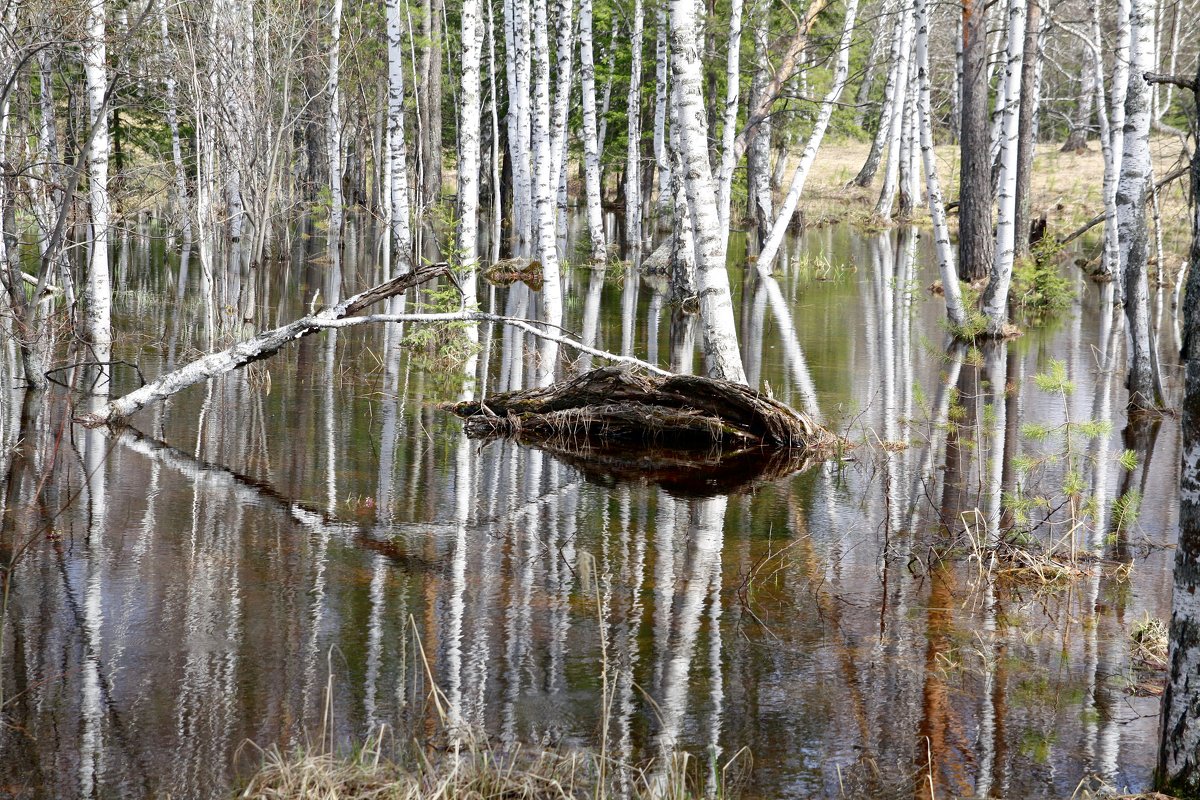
column 617, row 406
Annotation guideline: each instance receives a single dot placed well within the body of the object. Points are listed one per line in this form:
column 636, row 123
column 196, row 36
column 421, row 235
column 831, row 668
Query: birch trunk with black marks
column 1179, row 744
column 591, row 142
column 758, row 155
column 469, row 124
column 937, row 209
column 733, row 75
column 633, row 149
column 333, row 130
column 97, row 295
column 544, row 182
column 397, row 153
column 718, row 330
column 995, row 297
column 1132, row 190
column 1027, row 125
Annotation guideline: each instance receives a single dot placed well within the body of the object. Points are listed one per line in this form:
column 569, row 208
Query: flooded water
column 303, row 551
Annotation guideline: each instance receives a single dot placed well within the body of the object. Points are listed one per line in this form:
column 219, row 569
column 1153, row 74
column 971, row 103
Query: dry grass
column 1066, row 186
column 471, row 771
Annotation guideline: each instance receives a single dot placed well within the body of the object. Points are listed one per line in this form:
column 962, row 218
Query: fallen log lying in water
column 617, row 405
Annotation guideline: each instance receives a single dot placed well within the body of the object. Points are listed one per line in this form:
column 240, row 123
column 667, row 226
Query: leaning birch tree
column 841, row 73
column 937, row 209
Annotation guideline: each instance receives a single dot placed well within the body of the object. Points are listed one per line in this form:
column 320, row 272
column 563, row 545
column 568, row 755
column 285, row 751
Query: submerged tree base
column 619, row 422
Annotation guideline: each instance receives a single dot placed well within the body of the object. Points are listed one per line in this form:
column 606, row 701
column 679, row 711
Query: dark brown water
column 271, row 558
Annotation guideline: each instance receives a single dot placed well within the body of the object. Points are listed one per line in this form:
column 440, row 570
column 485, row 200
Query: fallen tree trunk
column 269, row 342
column 256, row 348
column 617, row 405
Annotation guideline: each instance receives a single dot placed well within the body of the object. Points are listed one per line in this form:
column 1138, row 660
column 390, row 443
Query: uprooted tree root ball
column 654, row 419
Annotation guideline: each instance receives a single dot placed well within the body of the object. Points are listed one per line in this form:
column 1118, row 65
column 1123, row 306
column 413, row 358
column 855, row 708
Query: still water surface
column 266, row 558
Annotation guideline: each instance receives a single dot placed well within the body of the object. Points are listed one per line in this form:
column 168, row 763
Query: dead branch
column 270, row 342
column 1096, row 220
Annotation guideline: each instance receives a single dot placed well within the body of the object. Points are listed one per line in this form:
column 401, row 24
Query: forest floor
column 1066, row 187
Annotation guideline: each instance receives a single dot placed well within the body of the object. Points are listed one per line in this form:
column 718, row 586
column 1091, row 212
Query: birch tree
column 97, row 296
column 1131, row 206
column 718, row 332
column 333, row 128
column 995, row 297
column 591, row 141
column 891, row 90
column 937, row 209
column 1179, row 743
column 469, row 122
column 543, row 189
column 841, row 73
column 633, row 175
column 733, row 73
column 397, row 151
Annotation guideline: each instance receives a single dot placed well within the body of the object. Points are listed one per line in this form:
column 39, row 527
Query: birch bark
column 97, row 313
column 633, row 176
column 1131, row 206
column 995, row 297
column 333, row 128
column 733, row 76
column 1179, row 745
column 718, row 331
column 397, row 149
column 469, row 123
column 892, row 89
column 591, row 141
column 937, row 209
column 543, row 190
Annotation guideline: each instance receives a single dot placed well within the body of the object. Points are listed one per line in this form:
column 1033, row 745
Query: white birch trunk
column 516, row 34
column 841, row 74
column 895, row 124
column 333, row 129
column 633, row 174
column 718, row 330
column 97, row 313
column 662, row 155
column 469, row 123
column 1131, row 205
column 182, row 204
column 564, row 51
column 733, row 74
column 543, row 190
column 591, row 143
column 995, row 298
column 1111, row 263
column 937, row 209
column 397, row 166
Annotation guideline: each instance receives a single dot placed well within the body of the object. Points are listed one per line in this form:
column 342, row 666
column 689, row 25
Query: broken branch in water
column 270, row 342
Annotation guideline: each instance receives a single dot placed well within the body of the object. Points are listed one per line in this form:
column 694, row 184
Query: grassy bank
column 1066, row 187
